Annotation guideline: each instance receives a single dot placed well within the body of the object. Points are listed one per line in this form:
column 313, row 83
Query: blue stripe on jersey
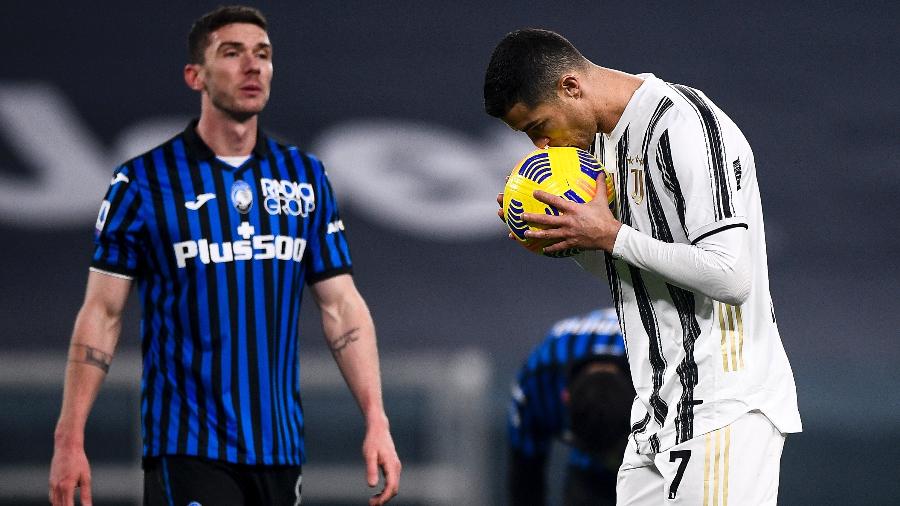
column 562, row 350
column 581, row 346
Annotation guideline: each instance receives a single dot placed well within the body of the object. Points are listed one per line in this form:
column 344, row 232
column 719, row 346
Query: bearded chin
column 234, row 110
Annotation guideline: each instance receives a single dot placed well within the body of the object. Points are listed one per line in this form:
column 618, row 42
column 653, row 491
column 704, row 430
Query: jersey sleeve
column 327, row 252
column 117, row 232
column 696, row 172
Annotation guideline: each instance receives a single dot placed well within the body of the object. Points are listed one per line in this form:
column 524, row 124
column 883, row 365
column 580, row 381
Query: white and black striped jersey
column 683, row 172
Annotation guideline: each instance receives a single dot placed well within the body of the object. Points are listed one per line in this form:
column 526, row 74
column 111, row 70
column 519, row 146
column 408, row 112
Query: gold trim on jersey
column 719, row 469
column 639, row 190
column 731, row 323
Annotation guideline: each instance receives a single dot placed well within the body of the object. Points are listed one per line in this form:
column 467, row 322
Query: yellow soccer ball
column 568, row 172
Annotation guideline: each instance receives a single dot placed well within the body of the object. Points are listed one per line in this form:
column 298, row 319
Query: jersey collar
column 198, row 149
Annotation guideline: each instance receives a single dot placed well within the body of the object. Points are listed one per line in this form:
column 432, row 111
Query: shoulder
column 130, row 168
column 690, row 106
column 281, row 148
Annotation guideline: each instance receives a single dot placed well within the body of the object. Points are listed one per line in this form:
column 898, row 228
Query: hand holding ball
column 568, row 172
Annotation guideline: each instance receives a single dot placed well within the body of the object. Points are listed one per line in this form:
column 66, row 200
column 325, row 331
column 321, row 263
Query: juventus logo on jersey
column 638, row 190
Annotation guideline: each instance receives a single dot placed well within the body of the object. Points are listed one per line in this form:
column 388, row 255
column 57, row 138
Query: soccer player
column 573, row 387
column 685, row 258
column 220, row 228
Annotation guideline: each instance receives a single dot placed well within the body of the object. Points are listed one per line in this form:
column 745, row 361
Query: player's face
column 559, row 121
column 237, row 71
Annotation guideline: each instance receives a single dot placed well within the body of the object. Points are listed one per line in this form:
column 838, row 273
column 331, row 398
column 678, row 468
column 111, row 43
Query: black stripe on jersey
column 615, row 289
column 236, row 357
column 289, row 367
column 642, row 425
column 150, row 307
column 549, row 386
column 687, row 371
column 661, row 108
column 716, row 231
column 654, row 443
column 658, row 224
column 203, row 435
column 657, row 360
column 311, row 221
column 737, row 172
column 216, row 311
column 670, row 177
column 252, row 344
column 186, row 437
column 273, row 315
column 622, row 170
column 157, row 440
column 320, row 215
column 683, row 301
column 716, row 147
column 181, row 326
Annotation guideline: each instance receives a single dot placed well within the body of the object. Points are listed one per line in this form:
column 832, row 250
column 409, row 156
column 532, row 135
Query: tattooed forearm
column 346, row 339
column 85, row 354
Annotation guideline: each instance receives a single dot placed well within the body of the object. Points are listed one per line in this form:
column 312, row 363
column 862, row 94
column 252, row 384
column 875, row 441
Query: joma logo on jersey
column 253, row 247
column 288, row 197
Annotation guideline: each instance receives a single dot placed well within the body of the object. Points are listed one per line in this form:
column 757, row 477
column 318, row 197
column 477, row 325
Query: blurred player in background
column 220, row 228
column 573, row 387
column 685, row 257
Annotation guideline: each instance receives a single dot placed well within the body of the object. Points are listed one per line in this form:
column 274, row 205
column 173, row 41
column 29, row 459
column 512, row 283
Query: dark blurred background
column 388, row 94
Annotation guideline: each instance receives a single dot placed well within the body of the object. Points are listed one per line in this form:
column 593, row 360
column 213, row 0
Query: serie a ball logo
column 568, row 172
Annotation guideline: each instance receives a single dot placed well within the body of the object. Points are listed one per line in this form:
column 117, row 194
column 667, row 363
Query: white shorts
column 735, row 465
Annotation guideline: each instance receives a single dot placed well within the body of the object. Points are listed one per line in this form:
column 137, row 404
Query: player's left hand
column 584, row 226
column 379, row 453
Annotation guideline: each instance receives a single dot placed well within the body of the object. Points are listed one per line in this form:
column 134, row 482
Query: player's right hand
column 70, row 470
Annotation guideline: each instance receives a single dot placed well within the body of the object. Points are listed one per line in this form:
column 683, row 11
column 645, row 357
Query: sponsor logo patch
column 287, row 197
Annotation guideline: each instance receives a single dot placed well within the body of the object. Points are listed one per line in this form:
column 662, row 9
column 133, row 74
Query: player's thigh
column 278, row 486
column 172, row 480
column 638, row 482
column 735, row 465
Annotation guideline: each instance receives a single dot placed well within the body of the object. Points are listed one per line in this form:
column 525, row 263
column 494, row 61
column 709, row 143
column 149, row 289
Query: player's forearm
column 717, row 268
column 89, row 359
column 350, row 334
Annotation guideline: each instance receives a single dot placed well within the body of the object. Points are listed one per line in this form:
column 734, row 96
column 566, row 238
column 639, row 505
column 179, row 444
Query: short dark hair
column 600, row 407
column 198, row 38
column 524, row 68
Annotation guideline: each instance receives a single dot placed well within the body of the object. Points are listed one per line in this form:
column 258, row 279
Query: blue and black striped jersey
column 537, row 414
column 220, row 255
